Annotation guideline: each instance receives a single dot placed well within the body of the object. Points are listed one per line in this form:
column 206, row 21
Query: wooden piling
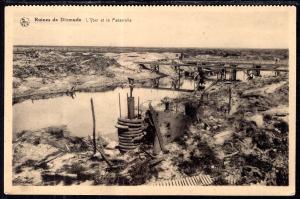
column 138, row 106
column 179, row 77
column 194, row 78
column 94, row 127
column 130, row 102
column 233, row 73
column 229, row 99
column 256, row 70
column 120, row 105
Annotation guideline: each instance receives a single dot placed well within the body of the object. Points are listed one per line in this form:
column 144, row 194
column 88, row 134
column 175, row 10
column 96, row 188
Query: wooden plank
column 127, row 147
column 190, row 181
column 202, row 180
column 187, row 181
column 128, row 144
column 132, row 135
column 198, row 179
column 209, row 180
column 105, row 157
column 130, row 124
column 130, row 120
column 121, row 126
column 136, row 129
column 131, row 132
column 45, row 161
column 193, row 180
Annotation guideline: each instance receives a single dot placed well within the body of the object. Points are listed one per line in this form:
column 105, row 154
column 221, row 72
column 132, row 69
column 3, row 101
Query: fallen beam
column 169, row 89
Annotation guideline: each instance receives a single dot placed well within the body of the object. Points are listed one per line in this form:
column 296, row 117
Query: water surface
column 76, row 113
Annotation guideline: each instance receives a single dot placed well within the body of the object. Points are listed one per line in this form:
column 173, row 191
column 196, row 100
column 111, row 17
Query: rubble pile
column 249, row 146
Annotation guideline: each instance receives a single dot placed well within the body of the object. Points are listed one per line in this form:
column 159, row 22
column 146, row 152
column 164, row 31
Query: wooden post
column 130, row 102
column 179, row 77
column 131, row 89
column 195, row 78
column 157, row 82
column 138, row 105
column 94, row 126
column 120, row 105
column 256, row 70
column 229, row 100
column 233, row 73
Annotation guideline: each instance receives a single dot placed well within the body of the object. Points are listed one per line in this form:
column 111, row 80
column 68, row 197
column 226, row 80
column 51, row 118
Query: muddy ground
column 41, row 72
column 47, row 73
column 244, row 144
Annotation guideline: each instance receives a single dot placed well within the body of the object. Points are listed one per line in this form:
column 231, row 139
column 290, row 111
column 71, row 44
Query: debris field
column 236, row 133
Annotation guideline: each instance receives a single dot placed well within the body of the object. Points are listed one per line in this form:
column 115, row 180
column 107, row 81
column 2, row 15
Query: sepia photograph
column 129, row 97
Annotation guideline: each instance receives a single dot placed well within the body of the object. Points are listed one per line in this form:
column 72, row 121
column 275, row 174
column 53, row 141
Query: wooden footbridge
column 221, row 68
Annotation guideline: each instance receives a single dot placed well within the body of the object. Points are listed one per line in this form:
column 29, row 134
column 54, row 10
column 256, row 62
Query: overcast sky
column 211, row 27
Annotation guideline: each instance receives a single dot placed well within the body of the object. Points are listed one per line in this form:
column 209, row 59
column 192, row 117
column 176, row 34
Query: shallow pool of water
column 76, row 113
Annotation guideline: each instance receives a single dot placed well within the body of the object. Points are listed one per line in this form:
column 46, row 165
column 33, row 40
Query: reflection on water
column 165, row 82
column 76, row 112
column 242, row 76
column 187, row 84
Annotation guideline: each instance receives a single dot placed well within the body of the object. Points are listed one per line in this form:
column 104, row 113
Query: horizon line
column 245, row 48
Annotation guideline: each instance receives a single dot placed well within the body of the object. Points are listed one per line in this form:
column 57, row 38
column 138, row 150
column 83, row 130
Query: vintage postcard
column 146, row 100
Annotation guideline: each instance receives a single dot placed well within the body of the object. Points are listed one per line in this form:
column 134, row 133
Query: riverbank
column 47, row 74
